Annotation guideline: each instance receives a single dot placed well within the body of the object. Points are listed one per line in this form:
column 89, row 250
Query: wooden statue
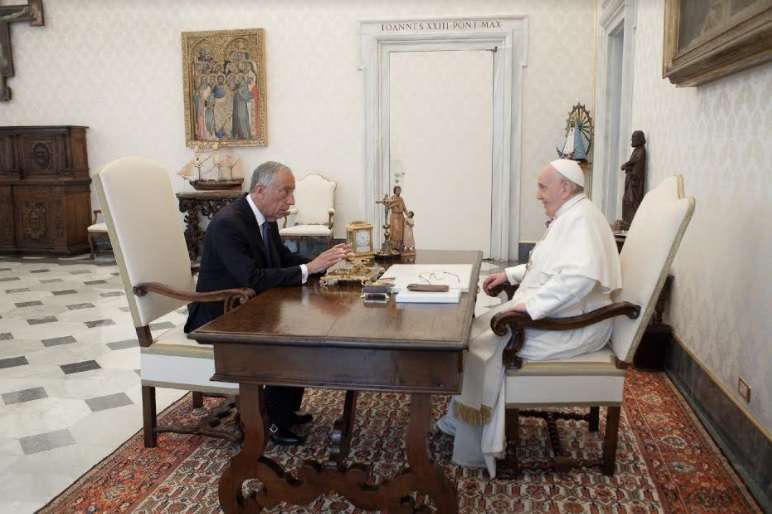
column 397, row 211
column 635, row 176
column 408, row 242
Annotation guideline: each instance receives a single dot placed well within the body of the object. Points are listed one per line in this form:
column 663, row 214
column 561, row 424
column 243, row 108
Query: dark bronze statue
column 635, row 176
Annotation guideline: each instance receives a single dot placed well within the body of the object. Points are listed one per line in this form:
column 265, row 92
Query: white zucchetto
column 570, row 170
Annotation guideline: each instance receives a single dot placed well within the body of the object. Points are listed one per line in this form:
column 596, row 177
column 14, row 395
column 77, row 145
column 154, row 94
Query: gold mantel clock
column 360, row 236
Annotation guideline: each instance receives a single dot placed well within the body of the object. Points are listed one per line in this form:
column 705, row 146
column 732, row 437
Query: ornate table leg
column 344, row 426
column 429, row 477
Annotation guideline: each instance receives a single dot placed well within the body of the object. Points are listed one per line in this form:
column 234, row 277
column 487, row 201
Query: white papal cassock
column 574, row 269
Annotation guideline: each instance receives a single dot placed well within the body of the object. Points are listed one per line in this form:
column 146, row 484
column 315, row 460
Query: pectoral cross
column 32, row 12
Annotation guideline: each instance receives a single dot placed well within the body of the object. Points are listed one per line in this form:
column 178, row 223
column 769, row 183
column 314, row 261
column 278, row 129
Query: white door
column 440, row 145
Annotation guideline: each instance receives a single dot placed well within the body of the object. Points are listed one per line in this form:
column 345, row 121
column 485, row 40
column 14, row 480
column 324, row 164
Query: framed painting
column 708, row 39
column 223, row 75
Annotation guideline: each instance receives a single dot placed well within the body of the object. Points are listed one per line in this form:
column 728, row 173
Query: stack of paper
column 455, row 276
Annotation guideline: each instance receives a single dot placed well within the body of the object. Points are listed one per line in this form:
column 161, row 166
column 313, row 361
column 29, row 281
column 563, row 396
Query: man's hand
column 328, row 257
column 494, row 280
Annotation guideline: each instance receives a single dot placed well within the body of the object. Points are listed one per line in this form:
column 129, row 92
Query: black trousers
column 281, row 402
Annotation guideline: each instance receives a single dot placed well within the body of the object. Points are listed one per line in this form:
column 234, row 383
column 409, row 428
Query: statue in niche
column 635, row 177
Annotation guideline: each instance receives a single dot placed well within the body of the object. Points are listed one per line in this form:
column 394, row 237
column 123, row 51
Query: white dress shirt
column 260, row 220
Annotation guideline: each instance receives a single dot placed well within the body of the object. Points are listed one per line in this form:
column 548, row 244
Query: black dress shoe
column 284, row 436
column 300, row 419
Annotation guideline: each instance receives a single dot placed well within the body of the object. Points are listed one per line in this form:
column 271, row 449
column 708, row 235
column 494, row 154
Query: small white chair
column 147, row 237
column 596, row 379
column 313, row 214
column 95, row 230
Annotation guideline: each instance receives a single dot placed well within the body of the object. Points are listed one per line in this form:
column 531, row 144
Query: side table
column 196, row 204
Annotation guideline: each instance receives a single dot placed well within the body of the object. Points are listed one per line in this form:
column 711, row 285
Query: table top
column 336, row 316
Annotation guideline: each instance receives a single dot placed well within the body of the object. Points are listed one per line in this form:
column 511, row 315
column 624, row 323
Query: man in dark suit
column 243, row 249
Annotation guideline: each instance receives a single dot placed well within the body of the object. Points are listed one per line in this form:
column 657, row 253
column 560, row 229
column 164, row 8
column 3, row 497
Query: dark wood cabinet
column 45, row 197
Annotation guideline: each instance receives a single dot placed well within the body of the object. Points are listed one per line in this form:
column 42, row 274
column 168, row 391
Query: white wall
column 116, row 67
column 718, row 136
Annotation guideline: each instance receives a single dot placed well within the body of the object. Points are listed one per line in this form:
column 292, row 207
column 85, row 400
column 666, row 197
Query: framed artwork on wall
column 223, row 75
column 708, row 39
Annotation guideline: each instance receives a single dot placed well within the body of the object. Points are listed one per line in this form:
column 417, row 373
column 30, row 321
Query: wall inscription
column 440, row 25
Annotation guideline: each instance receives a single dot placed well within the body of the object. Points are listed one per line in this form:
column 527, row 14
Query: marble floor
column 69, row 377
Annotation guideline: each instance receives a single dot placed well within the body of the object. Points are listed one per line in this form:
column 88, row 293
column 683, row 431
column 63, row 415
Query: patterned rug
column 665, row 463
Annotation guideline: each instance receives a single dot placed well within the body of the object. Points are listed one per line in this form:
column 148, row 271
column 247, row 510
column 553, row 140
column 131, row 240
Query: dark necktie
column 267, row 245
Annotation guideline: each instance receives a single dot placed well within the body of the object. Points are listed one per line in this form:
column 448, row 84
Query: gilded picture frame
column 223, row 75
column 708, row 39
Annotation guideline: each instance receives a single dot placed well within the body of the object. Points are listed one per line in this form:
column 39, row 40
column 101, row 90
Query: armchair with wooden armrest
column 144, row 226
column 595, row 379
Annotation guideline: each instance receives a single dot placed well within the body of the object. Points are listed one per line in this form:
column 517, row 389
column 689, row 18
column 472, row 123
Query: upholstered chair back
column 314, row 196
column 650, row 247
column 146, row 233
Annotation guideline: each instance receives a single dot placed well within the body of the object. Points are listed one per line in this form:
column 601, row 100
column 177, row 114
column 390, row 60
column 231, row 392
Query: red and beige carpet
column 665, row 463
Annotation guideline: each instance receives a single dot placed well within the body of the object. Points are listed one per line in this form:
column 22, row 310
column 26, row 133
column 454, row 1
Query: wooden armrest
column 517, row 322
column 507, row 287
column 331, row 219
column 231, row 297
column 94, row 217
column 195, row 268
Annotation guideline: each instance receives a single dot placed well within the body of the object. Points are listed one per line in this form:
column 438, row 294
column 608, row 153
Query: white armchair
column 145, row 230
column 313, row 214
column 95, row 230
column 596, row 379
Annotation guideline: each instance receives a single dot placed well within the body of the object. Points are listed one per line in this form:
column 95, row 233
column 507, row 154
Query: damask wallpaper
column 718, row 136
column 116, row 67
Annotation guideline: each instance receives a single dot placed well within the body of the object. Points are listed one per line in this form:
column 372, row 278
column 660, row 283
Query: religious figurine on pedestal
column 635, row 176
column 397, row 211
column 408, row 242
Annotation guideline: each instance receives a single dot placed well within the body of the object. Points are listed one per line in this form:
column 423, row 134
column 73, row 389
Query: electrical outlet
column 744, row 390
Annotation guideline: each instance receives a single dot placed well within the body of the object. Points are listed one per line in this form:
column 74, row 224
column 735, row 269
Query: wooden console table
column 196, row 204
column 328, row 338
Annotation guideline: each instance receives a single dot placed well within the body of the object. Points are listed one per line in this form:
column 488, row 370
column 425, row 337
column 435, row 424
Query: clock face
column 362, row 241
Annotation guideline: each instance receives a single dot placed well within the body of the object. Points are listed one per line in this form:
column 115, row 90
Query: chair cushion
column 314, row 196
column 306, row 231
column 98, row 227
column 589, row 379
column 177, row 362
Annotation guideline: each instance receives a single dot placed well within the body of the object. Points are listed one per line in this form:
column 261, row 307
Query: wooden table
column 328, row 338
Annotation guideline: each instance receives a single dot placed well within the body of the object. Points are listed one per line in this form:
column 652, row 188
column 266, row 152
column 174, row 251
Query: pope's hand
column 328, row 257
column 493, row 280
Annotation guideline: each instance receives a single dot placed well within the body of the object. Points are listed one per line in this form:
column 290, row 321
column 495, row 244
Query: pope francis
column 574, row 269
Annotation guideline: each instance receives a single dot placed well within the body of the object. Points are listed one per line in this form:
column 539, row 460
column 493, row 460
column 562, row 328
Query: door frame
column 508, row 37
column 615, row 15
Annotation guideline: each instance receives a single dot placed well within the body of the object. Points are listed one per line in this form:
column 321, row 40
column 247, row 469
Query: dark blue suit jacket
column 234, row 256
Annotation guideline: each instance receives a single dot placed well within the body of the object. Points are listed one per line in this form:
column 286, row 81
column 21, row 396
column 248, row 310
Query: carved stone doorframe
column 507, row 36
column 614, row 101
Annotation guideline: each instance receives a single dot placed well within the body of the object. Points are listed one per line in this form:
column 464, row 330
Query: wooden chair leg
column 149, row 417
column 511, row 469
column 610, row 440
column 198, row 400
column 91, row 245
column 594, row 421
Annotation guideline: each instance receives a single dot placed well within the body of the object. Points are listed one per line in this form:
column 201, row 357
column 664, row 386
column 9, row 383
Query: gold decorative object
column 360, row 236
column 352, row 269
column 223, row 73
